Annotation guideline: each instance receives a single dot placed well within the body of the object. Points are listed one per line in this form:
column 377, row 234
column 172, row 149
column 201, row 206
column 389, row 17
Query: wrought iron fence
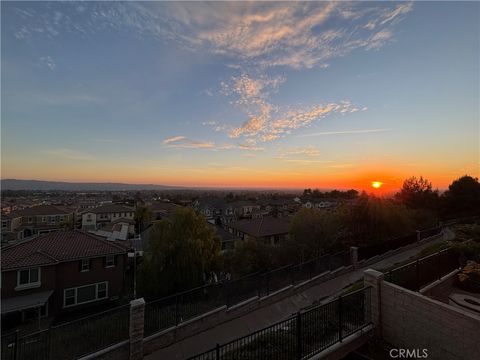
column 170, row 311
column 9, row 345
column 70, row 340
column 382, row 248
column 300, row 336
column 423, row 271
column 423, row 234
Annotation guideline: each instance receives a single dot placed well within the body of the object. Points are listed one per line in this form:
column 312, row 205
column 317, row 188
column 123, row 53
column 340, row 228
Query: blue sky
column 240, row 94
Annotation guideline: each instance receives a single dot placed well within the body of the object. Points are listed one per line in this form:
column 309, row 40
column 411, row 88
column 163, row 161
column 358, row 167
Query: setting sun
column 377, row 184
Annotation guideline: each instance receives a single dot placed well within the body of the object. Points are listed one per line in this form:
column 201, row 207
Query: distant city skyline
column 263, row 95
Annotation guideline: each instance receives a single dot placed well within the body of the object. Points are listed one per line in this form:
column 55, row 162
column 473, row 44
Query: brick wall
column 411, row 320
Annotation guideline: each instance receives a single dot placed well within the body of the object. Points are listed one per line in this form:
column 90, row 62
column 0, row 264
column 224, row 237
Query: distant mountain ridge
column 15, row 184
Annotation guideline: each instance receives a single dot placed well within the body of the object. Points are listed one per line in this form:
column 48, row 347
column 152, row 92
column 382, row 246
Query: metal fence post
column 226, row 289
column 340, row 320
column 268, row 283
column 299, row 336
column 49, row 335
column 176, row 310
column 292, row 271
column 417, row 268
column 217, row 352
column 15, row 348
column 439, row 265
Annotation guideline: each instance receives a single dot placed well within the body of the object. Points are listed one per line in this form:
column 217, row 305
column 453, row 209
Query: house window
column 102, row 290
column 110, row 261
column 4, row 224
column 84, row 265
column 85, row 294
column 28, row 278
column 69, row 297
column 44, row 219
column 30, row 220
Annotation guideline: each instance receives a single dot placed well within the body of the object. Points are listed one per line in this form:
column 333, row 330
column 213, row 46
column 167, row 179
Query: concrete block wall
column 413, row 321
column 440, row 289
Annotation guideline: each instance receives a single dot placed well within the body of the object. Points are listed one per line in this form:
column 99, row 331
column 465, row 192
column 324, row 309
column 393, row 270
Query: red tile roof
column 110, row 208
column 59, row 246
column 266, row 226
column 42, row 210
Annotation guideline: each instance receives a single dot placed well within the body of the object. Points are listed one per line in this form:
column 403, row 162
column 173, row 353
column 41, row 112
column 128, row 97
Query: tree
column 314, row 232
column 417, row 193
column 307, row 192
column 251, row 256
column 463, row 197
column 182, row 253
column 67, row 224
column 142, row 217
column 371, row 220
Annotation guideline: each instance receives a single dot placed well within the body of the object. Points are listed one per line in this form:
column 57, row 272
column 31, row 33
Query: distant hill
column 14, row 184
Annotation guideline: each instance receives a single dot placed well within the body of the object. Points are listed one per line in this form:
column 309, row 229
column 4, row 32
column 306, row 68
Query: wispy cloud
column 298, row 35
column 250, row 147
column 293, row 34
column 173, row 139
column 309, row 151
column 182, row 142
column 364, row 131
column 48, row 62
column 342, row 166
column 69, row 154
column 308, row 161
column 76, row 98
column 265, row 121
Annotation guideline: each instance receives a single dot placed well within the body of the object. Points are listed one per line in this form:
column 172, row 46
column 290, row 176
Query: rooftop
column 266, row 226
column 42, row 210
column 55, row 247
column 110, row 208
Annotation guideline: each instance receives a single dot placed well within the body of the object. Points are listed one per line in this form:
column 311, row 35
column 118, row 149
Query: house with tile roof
column 38, row 220
column 227, row 238
column 96, row 218
column 267, row 229
column 162, row 209
column 58, row 272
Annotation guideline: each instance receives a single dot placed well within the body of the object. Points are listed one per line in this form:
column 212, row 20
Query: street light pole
column 135, row 275
column 133, row 254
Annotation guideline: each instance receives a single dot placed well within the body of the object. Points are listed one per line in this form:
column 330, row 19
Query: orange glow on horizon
column 390, row 176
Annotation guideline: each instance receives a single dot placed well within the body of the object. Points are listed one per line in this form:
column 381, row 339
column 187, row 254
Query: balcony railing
column 301, row 336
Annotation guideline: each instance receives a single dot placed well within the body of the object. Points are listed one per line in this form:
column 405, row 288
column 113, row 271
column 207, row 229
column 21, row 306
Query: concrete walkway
column 267, row 315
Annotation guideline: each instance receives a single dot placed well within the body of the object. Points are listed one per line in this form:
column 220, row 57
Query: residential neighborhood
column 240, row 180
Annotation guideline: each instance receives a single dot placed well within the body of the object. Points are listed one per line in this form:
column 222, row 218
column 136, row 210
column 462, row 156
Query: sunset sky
column 328, row 95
